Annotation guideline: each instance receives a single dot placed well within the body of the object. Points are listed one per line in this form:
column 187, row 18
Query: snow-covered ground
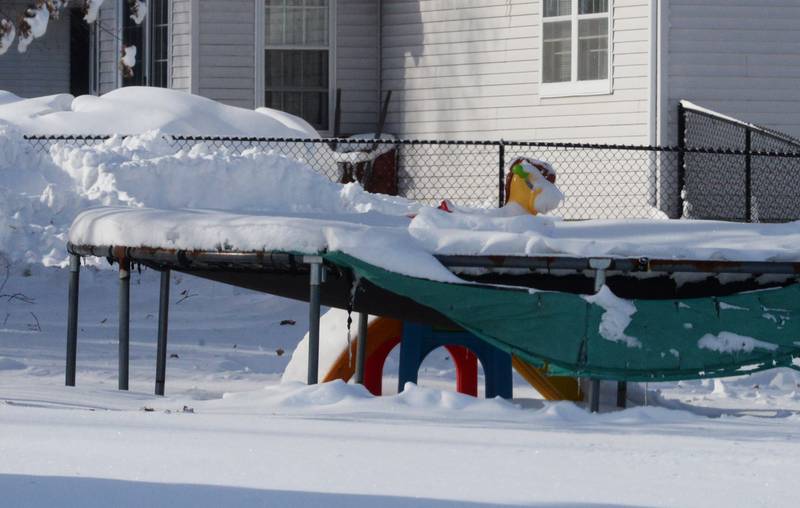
column 246, row 440
column 228, row 433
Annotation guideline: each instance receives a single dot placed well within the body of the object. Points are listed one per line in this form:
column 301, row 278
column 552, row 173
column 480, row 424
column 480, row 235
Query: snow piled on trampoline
column 40, row 194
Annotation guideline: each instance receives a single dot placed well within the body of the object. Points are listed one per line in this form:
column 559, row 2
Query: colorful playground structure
column 527, row 184
column 553, row 317
column 416, row 341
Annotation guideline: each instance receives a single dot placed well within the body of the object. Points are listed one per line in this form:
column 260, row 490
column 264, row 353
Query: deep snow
column 230, row 434
column 136, row 110
column 249, row 441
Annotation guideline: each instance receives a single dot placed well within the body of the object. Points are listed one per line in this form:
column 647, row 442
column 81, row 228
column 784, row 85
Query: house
column 578, row 70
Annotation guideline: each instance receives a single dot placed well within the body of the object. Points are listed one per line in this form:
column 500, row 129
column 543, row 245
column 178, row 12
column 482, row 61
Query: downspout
column 662, row 98
column 654, row 170
column 653, row 72
column 380, row 60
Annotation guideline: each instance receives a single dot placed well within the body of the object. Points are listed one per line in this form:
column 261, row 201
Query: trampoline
column 735, row 317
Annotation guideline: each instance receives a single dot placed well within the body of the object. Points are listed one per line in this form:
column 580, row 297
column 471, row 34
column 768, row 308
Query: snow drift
column 135, row 110
column 41, row 194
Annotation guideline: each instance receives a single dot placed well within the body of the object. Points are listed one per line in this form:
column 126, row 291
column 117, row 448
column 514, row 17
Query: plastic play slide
column 383, row 334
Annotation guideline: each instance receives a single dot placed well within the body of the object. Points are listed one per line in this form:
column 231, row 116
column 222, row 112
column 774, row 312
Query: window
column 575, row 47
column 151, row 39
column 158, row 26
column 133, row 35
column 298, row 58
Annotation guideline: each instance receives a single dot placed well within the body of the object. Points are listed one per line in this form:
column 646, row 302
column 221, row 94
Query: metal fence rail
column 757, row 183
column 600, row 181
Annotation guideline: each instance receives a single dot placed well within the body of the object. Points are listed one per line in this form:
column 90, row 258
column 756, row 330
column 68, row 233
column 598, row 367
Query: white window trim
column 94, row 58
column 148, row 61
column 575, row 87
column 260, row 64
column 119, row 8
column 143, row 53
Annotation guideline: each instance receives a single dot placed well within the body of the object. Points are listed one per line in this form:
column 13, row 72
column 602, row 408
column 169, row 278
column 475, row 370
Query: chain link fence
column 753, row 176
column 598, row 181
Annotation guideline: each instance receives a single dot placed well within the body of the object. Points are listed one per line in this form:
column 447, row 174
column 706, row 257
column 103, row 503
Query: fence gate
column 748, row 173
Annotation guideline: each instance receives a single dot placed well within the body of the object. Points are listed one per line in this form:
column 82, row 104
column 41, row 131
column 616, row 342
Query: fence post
column 748, row 180
column 72, row 318
column 681, row 174
column 501, row 181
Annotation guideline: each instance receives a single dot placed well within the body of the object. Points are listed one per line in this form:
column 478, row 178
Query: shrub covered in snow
column 33, row 24
column 7, row 34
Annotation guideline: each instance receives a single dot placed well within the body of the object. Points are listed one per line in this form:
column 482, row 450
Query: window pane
column 592, row 49
column 273, row 100
column 293, row 103
column 297, row 22
column 315, row 69
column 294, row 25
column 292, row 69
column 316, row 27
column 297, row 82
column 274, row 25
column 592, row 6
column 557, row 8
column 557, row 52
column 315, row 109
column 274, row 66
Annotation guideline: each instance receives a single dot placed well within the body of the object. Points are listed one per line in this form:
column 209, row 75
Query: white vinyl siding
column 227, row 47
column 109, row 47
column 358, row 64
column 470, row 69
column 181, row 51
column 44, row 68
column 741, row 58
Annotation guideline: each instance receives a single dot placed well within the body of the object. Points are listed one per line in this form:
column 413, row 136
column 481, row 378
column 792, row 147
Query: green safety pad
column 562, row 330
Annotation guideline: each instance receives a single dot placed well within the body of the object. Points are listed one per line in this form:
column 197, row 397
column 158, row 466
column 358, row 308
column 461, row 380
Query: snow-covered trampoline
column 701, row 298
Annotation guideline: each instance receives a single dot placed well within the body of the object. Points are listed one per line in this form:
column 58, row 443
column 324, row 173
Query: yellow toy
column 531, row 184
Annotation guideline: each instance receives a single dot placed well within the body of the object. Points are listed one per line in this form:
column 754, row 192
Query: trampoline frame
column 285, row 274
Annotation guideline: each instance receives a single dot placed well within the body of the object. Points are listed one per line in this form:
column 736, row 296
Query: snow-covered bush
column 33, row 24
column 7, row 34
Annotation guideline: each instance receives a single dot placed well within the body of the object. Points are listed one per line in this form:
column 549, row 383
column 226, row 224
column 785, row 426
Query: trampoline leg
column 124, row 322
column 163, row 321
column 599, row 265
column 315, row 279
column 361, row 346
column 594, row 396
column 72, row 318
column 622, row 393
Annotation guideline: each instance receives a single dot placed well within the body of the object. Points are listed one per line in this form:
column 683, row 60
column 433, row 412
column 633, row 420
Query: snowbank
column 333, row 327
column 135, row 110
column 41, row 194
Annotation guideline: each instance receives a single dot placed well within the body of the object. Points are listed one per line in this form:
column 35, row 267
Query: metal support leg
column 163, row 320
column 124, row 322
column 594, row 396
column 599, row 265
column 315, row 279
column 622, row 393
column 361, row 346
column 72, row 318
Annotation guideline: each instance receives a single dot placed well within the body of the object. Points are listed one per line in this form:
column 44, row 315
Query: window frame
column 144, row 54
column 260, row 59
column 148, row 34
column 575, row 87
